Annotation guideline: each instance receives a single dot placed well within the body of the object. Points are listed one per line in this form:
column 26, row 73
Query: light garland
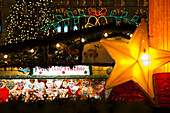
column 94, row 14
column 25, row 19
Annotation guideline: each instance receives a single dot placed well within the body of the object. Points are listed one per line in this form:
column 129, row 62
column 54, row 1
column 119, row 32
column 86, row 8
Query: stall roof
column 53, row 39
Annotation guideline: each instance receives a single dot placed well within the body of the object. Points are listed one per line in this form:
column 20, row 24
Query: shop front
column 53, row 83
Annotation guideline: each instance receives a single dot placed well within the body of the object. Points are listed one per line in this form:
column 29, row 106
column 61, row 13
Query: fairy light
column 24, row 21
column 131, row 35
column 57, row 45
column 5, row 56
column 32, row 50
column 82, row 40
column 105, row 34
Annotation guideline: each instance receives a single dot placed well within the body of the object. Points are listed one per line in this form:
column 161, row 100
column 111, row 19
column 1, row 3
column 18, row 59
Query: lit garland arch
column 72, row 38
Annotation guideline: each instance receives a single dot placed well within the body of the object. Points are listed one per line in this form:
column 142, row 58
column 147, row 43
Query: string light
column 105, row 34
column 32, row 50
column 75, row 28
column 5, row 56
column 131, row 35
column 82, row 40
column 57, row 45
column 65, row 29
column 24, row 19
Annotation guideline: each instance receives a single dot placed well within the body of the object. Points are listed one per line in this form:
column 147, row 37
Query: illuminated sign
column 59, row 29
column 92, row 13
column 62, row 70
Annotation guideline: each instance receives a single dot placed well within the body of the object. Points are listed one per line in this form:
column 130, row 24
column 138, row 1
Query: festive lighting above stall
column 92, row 14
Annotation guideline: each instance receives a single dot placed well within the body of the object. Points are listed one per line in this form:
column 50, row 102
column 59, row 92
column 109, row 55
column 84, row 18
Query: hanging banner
column 62, row 70
column 94, row 52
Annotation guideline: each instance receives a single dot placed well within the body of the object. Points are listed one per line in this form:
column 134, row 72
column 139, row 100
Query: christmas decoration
column 25, row 19
column 135, row 60
column 4, row 93
column 162, row 81
column 92, row 13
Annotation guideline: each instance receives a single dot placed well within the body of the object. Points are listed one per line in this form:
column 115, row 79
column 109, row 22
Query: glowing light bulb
column 145, row 58
column 32, row 50
column 131, row 35
column 82, row 40
column 105, row 34
column 59, row 29
column 5, row 56
column 57, row 45
column 75, row 28
column 65, row 29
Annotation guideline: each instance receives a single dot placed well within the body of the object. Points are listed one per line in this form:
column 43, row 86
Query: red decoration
column 127, row 92
column 85, row 72
column 40, row 72
column 131, row 93
column 162, row 81
column 4, row 93
column 92, row 12
column 63, row 72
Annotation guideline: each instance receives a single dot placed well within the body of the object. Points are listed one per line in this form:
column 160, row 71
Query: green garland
column 53, row 76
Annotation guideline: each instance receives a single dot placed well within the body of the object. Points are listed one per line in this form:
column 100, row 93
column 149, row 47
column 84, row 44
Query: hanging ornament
column 135, row 60
column 10, row 85
column 97, row 86
column 85, row 84
column 57, row 83
column 74, row 89
column 85, row 91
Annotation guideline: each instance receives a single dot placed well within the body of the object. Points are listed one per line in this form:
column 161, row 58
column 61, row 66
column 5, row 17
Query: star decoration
column 135, row 60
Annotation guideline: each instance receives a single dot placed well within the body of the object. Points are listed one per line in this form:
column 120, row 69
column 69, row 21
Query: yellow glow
column 82, row 40
column 131, row 35
column 131, row 60
column 57, row 45
column 5, row 56
column 32, row 50
column 146, row 63
column 105, row 34
column 129, row 66
column 145, row 58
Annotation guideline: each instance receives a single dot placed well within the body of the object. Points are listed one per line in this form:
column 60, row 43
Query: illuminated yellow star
column 135, row 60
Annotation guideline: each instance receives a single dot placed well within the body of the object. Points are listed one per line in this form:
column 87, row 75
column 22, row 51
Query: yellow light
column 146, row 63
column 57, row 45
column 145, row 58
column 5, row 56
column 82, row 40
column 32, row 50
column 131, row 35
column 105, row 34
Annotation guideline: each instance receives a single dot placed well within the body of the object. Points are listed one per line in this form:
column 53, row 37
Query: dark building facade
column 49, row 8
